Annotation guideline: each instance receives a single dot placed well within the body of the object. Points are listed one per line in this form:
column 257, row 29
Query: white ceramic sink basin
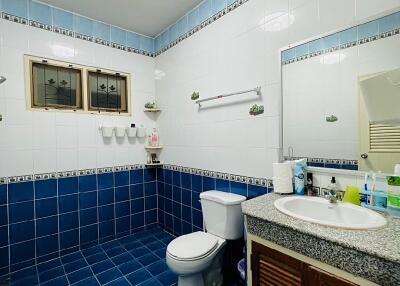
column 321, row 211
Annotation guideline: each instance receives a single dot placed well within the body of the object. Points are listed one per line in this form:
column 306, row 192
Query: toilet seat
column 193, row 246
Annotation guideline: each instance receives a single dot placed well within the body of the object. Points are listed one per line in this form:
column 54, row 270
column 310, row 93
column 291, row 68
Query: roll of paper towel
column 282, row 179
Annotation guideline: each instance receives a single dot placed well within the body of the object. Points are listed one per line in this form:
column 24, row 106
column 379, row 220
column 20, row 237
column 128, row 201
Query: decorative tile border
column 329, row 163
column 199, row 27
column 66, row 174
column 153, row 53
column 264, row 182
column 381, row 28
column 62, row 31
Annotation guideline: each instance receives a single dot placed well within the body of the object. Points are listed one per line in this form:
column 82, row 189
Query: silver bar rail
column 257, row 90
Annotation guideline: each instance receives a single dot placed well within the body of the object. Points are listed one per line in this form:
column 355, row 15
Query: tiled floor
column 138, row 259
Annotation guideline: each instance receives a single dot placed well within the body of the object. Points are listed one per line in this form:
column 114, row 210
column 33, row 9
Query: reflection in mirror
column 341, row 98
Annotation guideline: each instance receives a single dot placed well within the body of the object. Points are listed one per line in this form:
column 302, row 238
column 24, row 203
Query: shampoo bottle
column 299, row 170
column 154, row 138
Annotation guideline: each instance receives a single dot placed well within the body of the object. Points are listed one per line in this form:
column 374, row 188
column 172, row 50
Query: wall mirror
column 341, row 97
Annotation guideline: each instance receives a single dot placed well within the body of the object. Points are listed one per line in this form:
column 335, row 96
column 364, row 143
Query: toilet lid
column 192, row 246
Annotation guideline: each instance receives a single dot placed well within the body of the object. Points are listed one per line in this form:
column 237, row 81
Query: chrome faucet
column 332, row 196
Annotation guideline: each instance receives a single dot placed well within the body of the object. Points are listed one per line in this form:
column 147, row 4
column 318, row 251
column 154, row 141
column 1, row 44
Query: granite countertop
column 383, row 243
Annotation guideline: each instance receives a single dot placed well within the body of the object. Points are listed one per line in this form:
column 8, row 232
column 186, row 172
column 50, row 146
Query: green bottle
column 393, row 203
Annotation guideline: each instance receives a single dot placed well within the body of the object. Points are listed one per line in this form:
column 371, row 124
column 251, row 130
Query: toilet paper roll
column 282, row 170
column 397, row 169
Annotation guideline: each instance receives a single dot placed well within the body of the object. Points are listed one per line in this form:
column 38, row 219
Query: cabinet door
column 273, row 268
column 318, row 277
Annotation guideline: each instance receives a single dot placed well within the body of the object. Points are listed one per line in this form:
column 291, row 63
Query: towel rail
column 257, row 90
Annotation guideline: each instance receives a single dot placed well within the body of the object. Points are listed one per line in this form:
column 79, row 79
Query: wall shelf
column 153, row 147
column 152, row 110
column 153, row 164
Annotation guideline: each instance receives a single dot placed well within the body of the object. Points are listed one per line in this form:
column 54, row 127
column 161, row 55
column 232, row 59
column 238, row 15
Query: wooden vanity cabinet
column 273, row 268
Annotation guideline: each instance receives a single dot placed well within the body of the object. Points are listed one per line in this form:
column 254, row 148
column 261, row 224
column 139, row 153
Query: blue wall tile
column 165, row 39
column 69, row 239
column 87, row 200
column 22, row 251
column 46, row 245
column 106, row 213
column 183, row 25
column 239, row 188
column 122, row 209
column 89, row 233
column 40, row 13
column 67, row 186
column 3, row 215
column 150, row 174
column 3, row 194
column 136, row 191
column 87, row 183
column 22, row 231
column 118, row 36
column 16, row 7
column 330, row 41
column 101, row 30
column 88, row 216
column 208, row 184
column 69, row 221
column 389, row 23
column 218, row 5
column 122, row 194
column 150, row 188
column 122, row 224
column 19, row 192
column 21, row 211
column 302, row 50
column 174, row 32
column 106, row 228
column 46, row 207
column 121, row 178
column 83, row 25
column 45, row 188
column 105, row 181
column 46, row 226
column 63, row 19
column 4, row 256
column 68, row 203
column 314, row 46
column 136, row 176
column 205, row 10
column 137, row 205
column 3, row 236
column 348, row 36
column 222, row 185
column 133, row 40
column 368, row 30
column 147, row 44
column 193, row 19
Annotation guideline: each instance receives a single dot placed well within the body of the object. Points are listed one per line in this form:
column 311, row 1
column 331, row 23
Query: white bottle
column 154, row 138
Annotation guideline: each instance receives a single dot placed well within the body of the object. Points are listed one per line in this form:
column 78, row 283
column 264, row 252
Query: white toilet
column 197, row 257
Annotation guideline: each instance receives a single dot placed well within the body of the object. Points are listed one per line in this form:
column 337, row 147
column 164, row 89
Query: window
column 107, row 91
column 55, row 85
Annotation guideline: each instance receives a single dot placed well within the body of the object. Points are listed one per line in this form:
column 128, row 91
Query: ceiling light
column 276, row 21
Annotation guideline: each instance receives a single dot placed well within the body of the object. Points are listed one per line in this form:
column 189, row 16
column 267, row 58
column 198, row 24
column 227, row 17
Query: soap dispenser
column 332, row 191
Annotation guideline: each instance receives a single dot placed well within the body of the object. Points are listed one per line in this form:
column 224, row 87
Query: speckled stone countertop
column 371, row 254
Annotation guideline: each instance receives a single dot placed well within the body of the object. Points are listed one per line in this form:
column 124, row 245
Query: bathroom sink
column 321, row 211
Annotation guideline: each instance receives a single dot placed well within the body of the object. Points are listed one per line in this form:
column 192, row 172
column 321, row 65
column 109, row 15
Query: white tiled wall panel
column 235, row 53
column 38, row 142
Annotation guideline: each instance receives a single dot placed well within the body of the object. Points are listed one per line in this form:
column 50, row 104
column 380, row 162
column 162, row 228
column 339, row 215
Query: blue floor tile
column 129, row 267
column 122, row 262
column 109, row 275
column 119, row 282
column 87, row 282
column 80, row 275
column 59, row 281
column 102, row 266
column 157, row 267
column 138, row 277
column 167, row 278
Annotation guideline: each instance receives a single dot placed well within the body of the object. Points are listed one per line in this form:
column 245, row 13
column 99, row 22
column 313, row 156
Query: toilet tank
column 222, row 214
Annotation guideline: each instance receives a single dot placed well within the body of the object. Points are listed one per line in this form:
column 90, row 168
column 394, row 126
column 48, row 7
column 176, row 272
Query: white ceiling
column 147, row 17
